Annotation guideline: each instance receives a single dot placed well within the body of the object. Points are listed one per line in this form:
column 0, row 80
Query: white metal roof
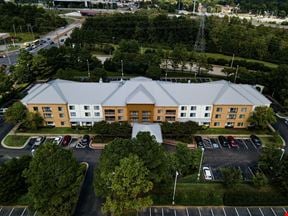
column 154, row 129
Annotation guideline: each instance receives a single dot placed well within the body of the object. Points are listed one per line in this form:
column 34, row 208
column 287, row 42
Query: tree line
column 27, row 18
column 227, row 36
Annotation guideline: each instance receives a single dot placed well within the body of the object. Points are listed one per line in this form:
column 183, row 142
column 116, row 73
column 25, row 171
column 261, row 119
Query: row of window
column 193, row 115
column 86, row 114
column 232, row 109
column 112, row 111
column 229, row 124
column 85, row 107
column 51, row 123
column 185, row 108
column 47, row 109
column 230, row 116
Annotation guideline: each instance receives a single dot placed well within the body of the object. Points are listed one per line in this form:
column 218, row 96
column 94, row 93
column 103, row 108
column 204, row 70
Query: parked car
column 58, row 140
column 214, row 143
column 85, row 140
column 232, row 142
column 39, row 140
column 199, row 141
column 66, row 140
column 2, row 56
column 256, row 140
column 207, row 173
column 223, row 141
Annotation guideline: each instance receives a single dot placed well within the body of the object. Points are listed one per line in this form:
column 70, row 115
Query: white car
column 58, row 140
column 39, row 140
column 207, row 173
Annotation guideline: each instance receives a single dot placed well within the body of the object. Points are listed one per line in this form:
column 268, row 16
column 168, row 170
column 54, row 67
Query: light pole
column 283, row 151
column 88, row 68
column 232, row 60
column 198, row 177
column 173, row 199
column 122, row 73
column 236, row 73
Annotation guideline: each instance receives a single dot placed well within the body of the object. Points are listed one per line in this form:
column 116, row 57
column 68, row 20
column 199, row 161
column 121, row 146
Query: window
column 183, row 114
column 193, row 108
column 62, row 123
column 217, row 124
column 170, row 112
column 120, row 118
column 207, row 108
column 146, row 113
column 233, row 110
column 183, row 108
column 72, row 114
column 207, row 115
column 244, row 109
column 192, row 114
column 61, row 115
column 110, row 118
column 219, row 109
column 120, row 111
column 158, row 118
column 96, row 108
column 217, row 116
column 145, row 119
column 87, row 114
column 240, row 124
column 241, row 116
column 134, row 119
column 230, row 124
column 134, row 113
column 50, row 123
column 35, row 109
column 110, row 112
column 75, row 124
column 96, row 114
column 71, row 107
column 60, row 109
column 48, row 115
column 86, row 107
column 169, row 118
column 160, row 111
column 46, row 109
column 231, row 116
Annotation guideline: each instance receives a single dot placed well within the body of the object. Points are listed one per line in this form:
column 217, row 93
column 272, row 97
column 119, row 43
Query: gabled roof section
column 140, row 96
column 153, row 129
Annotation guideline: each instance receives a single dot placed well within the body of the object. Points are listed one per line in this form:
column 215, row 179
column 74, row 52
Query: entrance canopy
column 154, row 129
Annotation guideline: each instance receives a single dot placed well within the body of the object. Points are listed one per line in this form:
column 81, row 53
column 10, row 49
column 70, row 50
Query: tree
column 231, row 176
column 22, row 71
column 184, row 159
column 129, row 46
column 154, row 71
column 33, row 121
column 202, row 63
column 262, row 116
column 6, row 83
column 129, row 187
column 54, row 182
column 260, row 180
column 12, row 183
column 40, row 67
column 16, row 113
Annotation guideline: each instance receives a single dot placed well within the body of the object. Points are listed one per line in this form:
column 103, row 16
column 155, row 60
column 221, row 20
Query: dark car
column 223, row 141
column 66, row 140
column 255, row 140
column 85, row 140
column 199, row 141
column 232, row 142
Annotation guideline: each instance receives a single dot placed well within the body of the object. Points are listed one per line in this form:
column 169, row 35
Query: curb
column 14, row 147
column 281, row 117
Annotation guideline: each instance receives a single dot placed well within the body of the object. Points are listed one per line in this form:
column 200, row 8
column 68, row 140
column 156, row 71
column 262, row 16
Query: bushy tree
column 260, row 180
column 129, row 46
column 54, row 183
column 231, row 176
column 16, row 113
column 12, row 183
column 33, row 121
column 129, row 187
column 262, row 116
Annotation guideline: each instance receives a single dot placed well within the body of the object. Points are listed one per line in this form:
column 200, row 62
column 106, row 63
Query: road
column 55, row 36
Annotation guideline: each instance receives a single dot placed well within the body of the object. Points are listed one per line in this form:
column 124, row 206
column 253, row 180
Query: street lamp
column 88, row 68
column 198, row 177
column 122, row 73
column 283, row 151
column 173, row 199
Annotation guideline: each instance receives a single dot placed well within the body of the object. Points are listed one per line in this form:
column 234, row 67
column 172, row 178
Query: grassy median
column 15, row 141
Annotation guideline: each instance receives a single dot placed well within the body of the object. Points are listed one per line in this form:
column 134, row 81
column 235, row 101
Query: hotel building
column 216, row 104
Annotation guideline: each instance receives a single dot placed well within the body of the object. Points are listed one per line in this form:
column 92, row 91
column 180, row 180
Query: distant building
column 216, row 104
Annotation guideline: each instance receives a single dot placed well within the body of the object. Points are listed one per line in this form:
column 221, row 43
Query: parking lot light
column 198, row 177
column 283, row 151
column 173, row 199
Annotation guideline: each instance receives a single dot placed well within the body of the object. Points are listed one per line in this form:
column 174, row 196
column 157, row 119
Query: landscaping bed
column 232, row 131
column 15, row 141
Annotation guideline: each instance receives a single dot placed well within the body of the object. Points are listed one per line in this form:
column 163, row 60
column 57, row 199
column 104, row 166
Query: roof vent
column 100, row 80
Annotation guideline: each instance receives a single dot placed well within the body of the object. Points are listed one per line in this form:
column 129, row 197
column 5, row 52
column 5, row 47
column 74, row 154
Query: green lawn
column 272, row 141
column 231, row 131
column 15, row 141
column 55, row 130
column 226, row 57
column 24, row 37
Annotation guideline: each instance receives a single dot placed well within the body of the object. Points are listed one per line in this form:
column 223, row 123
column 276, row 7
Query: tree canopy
column 16, row 113
column 262, row 116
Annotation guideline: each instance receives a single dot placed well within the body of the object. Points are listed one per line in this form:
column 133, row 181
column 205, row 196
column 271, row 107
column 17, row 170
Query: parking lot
column 214, row 211
column 244, row 157
column 20, row 211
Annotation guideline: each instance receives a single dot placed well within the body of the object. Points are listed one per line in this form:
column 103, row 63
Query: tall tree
column 129, row 187
column 23, row 69
column 262, row 116
column 54, row 183
column 16, row 113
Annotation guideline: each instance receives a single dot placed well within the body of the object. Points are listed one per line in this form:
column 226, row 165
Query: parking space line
column 273, row 212
column 236, row 211
column 249, row 212
column 224, row 211
column 162, row 212
column 212, row 173
column 0, row 210
column 11, row 212
column 23, row 212
column 284, row 209
column 187, row 212
column 261, row 212
column 254, row 145
column 250, row 171
column 244, row 144
column 175, row 212
column 200, row 214
column 211, row 210
column 35, row 213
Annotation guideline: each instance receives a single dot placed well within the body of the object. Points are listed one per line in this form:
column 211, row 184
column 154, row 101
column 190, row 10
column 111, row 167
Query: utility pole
column 236, row 73
column 174, row 191
column 122, row 71
column 88, row 68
